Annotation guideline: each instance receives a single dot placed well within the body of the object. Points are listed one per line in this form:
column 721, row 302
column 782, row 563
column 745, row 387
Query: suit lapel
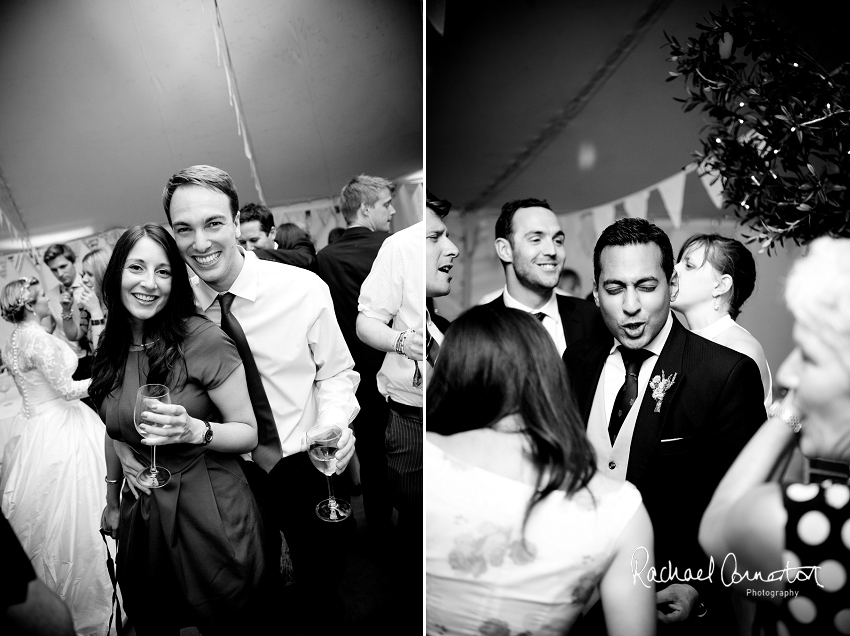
column 592, row 362
column 570, row 320
column 649, row 424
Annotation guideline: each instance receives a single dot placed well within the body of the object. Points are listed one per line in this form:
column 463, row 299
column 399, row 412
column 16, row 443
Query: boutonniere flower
column 660, row 385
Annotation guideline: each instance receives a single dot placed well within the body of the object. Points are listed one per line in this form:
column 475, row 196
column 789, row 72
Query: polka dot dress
column 817, row 534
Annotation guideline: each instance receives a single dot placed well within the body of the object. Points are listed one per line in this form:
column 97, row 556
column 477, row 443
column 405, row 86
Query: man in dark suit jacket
column 366, row 205
column 257, row 232
column 530, row 244
column 698, row 405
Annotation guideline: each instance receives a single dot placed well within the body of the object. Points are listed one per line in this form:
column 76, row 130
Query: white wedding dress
column 53, row 490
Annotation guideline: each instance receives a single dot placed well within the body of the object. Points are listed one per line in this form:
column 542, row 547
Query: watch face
column 208, row 436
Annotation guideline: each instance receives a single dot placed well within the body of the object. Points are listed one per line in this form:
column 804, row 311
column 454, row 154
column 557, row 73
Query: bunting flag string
column 672, row 193
column 223, row 55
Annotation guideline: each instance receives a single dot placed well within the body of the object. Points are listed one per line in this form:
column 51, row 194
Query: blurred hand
column 681, row 600
column 170, row 424
column 110, row 520
column 66, row 299
column 131, row 467
column 345, row 451
column 89, row 301
column 414, row 345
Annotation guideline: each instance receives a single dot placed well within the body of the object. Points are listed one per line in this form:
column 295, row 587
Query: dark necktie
column 432, row 348
column 268, row 450
column 633, row 359
column 540, row 316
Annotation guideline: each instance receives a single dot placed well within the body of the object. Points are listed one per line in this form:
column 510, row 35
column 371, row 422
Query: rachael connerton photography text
column 670, row 573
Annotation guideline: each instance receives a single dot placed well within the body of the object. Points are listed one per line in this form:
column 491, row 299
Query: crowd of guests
column 586, row 459
column 591, row 465
column 255, row 336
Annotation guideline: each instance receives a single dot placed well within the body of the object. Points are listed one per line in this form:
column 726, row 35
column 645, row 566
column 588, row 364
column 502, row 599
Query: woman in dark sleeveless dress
column 191, row 552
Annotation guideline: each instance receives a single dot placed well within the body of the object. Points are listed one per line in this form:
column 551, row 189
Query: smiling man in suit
column 530, row 244
column 697, row 404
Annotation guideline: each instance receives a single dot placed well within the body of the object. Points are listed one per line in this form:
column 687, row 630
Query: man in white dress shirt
column 391, row 319
column 287, row 316
column 530, row 244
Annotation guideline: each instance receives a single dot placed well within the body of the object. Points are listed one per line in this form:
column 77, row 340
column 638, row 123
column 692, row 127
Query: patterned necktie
column 633, row 359
column 268, row 450
column 432, row 348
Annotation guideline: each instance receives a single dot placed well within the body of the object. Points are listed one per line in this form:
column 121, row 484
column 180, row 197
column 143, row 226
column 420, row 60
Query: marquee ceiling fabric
column 502, row 76
column 102, row 101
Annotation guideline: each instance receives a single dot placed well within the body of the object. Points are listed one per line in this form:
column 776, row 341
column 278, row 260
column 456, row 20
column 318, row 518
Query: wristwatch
column 208, row 434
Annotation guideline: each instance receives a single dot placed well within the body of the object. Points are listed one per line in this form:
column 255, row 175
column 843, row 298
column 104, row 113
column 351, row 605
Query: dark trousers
column 317, row 548
column 370, row 427
column 404, row 445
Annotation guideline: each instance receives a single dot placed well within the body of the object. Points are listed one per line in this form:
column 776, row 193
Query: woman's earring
column 716, row 304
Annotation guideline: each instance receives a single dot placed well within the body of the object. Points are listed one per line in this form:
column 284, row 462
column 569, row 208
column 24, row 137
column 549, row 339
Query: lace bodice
column 41, row 366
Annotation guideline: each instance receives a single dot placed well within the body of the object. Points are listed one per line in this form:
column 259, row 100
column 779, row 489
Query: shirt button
column 612, row 465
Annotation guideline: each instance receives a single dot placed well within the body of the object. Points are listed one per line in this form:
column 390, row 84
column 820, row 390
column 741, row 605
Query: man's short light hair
column 364, row 190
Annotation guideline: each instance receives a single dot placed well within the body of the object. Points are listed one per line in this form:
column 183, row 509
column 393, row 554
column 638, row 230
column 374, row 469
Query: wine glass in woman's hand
column 323, row 442
column 153, row 476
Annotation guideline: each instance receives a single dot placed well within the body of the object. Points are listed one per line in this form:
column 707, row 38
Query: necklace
column 145, row 345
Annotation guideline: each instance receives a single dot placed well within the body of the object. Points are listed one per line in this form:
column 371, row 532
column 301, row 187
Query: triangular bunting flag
column 603, row 216
column 714, row 187
column 635, row 204
column 672, row 191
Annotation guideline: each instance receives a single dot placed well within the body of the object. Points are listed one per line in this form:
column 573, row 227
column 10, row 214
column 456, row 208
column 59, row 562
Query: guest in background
column 257, row 234
column 64, row 302
column 334, row 234
column 716, row 276
column 520, row 526
column 366, row 205
column 530, row 245
column 440, row 253
column 391, row 320
column 288, row 236
column 92, row 309
column 569, row 282
column 53, row 467
column 769, row 526
column 197, row 541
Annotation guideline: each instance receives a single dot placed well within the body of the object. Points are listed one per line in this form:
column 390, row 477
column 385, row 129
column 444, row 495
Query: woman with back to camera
column 92, row 309
column 520, row 529
column 52, row 485
column 768, row 526
column 190, row 552
column 716, row 276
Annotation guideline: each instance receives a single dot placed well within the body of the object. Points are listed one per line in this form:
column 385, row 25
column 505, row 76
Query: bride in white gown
column 54, row 464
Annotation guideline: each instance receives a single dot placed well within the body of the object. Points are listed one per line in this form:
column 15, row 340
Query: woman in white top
column 716, row 276
column 520, row 531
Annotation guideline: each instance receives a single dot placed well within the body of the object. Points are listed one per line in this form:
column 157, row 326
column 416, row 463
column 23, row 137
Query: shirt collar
column 657, row 343
column 550, row 308
column 245, row 285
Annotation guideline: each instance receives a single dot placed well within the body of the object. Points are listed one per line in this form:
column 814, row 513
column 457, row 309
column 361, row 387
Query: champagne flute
column 323, row 443
column 153, row 476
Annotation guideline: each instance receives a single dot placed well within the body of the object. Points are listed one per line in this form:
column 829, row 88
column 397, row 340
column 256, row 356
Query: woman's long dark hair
column 496, row 363
column 166, row 330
